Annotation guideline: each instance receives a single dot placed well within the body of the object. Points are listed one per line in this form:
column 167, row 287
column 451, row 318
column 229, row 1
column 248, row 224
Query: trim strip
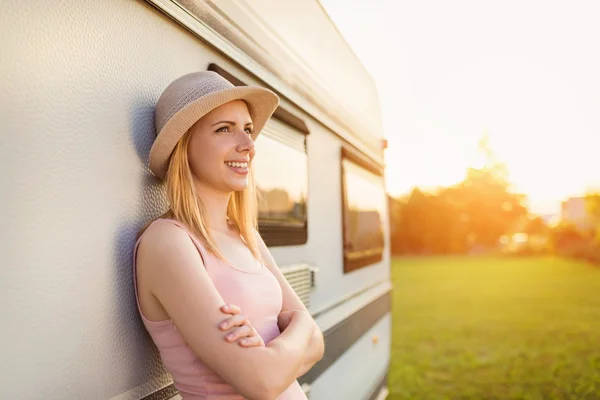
column 340, row 337
column 361, row 159
column 351, row 296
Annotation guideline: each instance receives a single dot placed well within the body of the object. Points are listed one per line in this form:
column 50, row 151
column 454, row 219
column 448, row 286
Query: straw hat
column 189, row 98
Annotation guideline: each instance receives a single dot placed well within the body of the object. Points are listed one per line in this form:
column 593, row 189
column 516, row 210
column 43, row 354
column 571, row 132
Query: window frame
column 274, row 233
column 362, row 161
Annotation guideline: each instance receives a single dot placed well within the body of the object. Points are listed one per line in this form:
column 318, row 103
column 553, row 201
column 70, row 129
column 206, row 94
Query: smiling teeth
column 237, row 164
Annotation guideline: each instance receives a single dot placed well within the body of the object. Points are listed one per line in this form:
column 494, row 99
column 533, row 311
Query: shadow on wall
column 136, row 350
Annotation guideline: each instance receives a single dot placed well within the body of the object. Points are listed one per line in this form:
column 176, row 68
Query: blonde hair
column 186, row 204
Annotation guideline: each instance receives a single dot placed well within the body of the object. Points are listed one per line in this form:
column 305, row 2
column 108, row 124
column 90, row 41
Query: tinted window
column 364, row 202
column 281, row 172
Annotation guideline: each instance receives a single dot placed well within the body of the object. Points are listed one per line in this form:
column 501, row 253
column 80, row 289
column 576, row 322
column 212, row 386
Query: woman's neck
column 215, row 205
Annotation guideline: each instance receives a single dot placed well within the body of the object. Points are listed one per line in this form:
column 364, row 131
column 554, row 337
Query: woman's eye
column 248, row 131
column 223, row 129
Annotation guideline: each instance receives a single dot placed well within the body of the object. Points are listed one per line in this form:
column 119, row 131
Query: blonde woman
column 225, row 320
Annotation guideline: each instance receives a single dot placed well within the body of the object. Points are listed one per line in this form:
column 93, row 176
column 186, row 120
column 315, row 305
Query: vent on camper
column 302, row 279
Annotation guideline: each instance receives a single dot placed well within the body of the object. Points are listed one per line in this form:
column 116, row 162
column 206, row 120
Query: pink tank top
column 258, row 294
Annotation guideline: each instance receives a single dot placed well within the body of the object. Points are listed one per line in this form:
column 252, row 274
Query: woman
column 225, row 320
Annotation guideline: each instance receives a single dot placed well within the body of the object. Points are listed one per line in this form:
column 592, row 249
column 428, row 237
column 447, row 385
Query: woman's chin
column 238, row 186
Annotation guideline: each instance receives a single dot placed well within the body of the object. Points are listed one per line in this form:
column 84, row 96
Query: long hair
column 186, row 204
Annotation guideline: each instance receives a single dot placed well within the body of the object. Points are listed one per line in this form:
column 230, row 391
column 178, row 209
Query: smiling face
column 221, row 148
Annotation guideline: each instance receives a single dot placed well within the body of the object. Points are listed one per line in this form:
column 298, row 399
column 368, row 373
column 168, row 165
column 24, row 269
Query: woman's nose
column 246, row 143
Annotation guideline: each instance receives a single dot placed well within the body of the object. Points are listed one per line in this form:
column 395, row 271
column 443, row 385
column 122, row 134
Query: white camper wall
column 78, row 92
column 290, row 30
column 356, row 374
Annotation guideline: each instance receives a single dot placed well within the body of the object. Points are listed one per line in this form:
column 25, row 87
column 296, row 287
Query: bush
column 583, row 251
column 569, row 241
column 532, row 249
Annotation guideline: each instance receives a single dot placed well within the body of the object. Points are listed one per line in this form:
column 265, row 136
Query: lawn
column 495, row 328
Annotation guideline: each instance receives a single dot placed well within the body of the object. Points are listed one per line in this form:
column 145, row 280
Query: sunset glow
column 448, row 72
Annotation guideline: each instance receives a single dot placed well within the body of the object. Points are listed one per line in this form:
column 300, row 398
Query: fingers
column 231, row 322
column 253, row 341
column 241, row 329
column 231, row 309
column 241, row 332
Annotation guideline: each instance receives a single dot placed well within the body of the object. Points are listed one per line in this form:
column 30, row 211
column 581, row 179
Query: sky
column 526, row 73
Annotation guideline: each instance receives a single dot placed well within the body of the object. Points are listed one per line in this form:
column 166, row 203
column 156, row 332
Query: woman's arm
column 316, row 341
column 176, row 276
column 315, row 347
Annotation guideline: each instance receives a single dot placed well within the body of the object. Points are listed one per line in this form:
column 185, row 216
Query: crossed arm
column 242, row 332
column 180, row 283
column 315, row 348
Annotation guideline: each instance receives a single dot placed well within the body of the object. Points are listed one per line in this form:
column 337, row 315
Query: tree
column 473, row 213
column 492, row 208
column 593, row 208
column 535, row 226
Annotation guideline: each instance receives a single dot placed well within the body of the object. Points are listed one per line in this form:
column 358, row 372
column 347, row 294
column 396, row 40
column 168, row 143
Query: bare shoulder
column 163, row 241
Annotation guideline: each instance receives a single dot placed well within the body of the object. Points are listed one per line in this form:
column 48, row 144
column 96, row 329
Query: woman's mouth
column 238, row 167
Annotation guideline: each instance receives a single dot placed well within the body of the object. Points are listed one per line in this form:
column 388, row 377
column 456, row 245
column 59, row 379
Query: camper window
column 281, row 172
column 363, row 198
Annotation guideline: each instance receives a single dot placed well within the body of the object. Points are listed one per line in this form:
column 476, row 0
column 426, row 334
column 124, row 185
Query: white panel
column 355, row 375
column 78, row 96
column 77, row 105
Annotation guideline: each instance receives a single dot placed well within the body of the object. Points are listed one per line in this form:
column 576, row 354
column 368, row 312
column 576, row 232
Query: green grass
column 495, row 328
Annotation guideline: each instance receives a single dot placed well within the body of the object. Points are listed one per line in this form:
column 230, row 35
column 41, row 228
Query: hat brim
column 261, row 102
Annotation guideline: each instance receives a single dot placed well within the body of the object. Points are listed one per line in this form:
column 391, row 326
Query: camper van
column 80, row 80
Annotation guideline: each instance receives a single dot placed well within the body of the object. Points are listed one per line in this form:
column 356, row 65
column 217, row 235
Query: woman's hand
column 240, row 328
